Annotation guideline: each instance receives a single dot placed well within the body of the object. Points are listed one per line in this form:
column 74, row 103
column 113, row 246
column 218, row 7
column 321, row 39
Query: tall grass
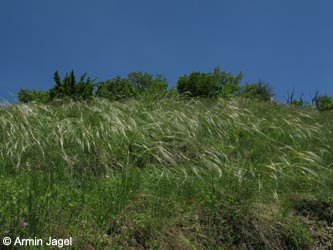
column 167, row 174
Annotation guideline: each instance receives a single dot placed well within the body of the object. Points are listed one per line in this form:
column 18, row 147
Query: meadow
column 173, row 173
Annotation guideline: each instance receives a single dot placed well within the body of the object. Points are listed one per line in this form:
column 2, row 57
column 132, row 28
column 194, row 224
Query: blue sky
column 283, row 42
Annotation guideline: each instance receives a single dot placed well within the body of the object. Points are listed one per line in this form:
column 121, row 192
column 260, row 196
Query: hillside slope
column 168, row 174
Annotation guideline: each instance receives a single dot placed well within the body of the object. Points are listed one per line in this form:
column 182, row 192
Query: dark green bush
column 70, row 88
column 145, row 86
column 140, row 80
column 198, row 84
column 135, row 85
column 156, row 89
column 115, row 89
column 230, row 83
column 209, row 84
column 27, row 95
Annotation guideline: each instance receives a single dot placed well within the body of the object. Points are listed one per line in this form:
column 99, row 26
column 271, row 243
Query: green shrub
column 27, row 95
column 140, row 80
column 136, row 84
column 324, row 103
column 198, row 84
column 156, row 89
column 115, row 89
column 230, row 83
column 298, row 103
column 209, row 84
column 145, row 84
column 259, row 90
column 295, row 102
column 70, row 88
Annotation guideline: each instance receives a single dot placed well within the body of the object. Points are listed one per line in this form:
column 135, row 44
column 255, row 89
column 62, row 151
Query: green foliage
column 69, row 88
column 295, row 102
column 230, row 83
column 147, row 85
column 84, row 89
column 116, row 89
column 136, row 84
column 159, row 86
column 27, row 95
column 209, row 84
column 140, row 81
column 260, row 91
column 199, row 84
column 172, row 93
column 323, row 103
column 298, row 103
column 141, row 85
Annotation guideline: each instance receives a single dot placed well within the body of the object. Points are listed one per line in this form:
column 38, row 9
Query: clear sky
column 287, row 43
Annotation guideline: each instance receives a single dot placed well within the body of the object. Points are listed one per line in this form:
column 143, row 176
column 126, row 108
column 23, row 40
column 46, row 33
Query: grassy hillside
column 168, row 174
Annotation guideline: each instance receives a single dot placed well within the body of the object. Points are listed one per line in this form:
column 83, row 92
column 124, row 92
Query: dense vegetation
column 130, row 164
column 136, row 85
column 170, row 173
